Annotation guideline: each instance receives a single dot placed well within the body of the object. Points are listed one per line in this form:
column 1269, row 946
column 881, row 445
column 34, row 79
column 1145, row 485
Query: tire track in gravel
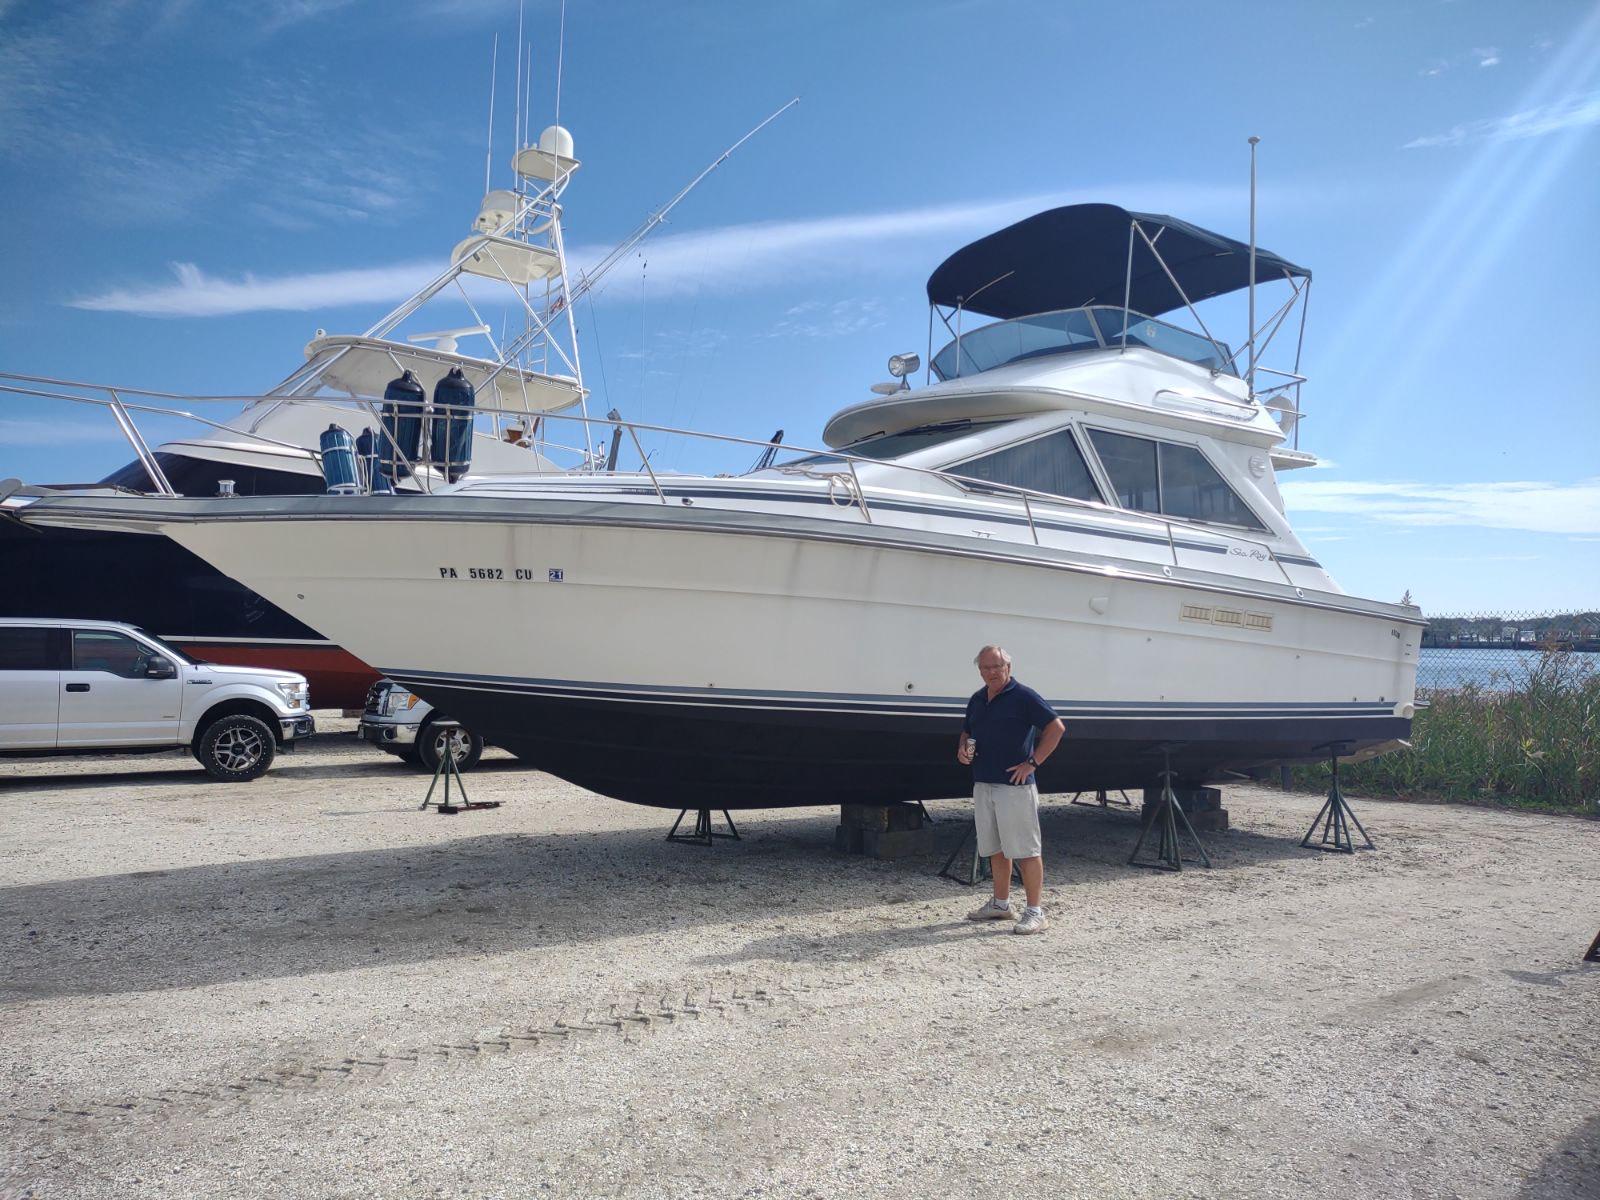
column 631, row 1016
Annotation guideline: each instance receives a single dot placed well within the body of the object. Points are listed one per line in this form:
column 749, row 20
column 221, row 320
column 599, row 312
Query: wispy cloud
column 733, row 258
column 78, row 83
column 828, row 319
column 1571, row 112
column 21, row 431
column 193, row 293
column 1531, row 506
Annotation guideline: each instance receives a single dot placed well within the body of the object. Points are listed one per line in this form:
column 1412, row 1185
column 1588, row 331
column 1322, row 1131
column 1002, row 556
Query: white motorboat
column 1085, row 483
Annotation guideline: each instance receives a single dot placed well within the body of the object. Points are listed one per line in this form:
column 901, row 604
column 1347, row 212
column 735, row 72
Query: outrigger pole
column 590, row 278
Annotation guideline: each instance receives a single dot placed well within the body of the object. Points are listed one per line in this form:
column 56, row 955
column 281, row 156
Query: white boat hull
column 668, row 657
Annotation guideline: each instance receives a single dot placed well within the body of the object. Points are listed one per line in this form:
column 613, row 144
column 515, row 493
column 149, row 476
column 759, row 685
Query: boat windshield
column 895, row 445
column 1070, row 330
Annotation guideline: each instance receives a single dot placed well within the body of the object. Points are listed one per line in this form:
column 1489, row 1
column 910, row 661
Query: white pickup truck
column 96, row 687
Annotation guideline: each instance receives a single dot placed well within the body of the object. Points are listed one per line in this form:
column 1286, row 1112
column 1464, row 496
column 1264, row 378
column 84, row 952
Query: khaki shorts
column 1008, row 819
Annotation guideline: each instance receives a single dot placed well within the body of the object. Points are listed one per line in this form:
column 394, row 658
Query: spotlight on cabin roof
column 901, row 365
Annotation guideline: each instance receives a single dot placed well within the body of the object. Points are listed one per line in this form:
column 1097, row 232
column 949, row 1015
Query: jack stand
column 1168, row 812
column 448, row 768
column 1335, row 816
column 1101, row 801
column 703, row 834
column 1594, row 950
column 979, row 867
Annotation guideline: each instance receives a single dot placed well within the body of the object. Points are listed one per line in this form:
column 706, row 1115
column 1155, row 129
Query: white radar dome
column 556, row 140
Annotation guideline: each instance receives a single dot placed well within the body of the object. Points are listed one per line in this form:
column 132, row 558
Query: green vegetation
column 1534, row 743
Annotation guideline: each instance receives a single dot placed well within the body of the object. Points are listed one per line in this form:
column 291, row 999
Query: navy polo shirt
column 1005, row 728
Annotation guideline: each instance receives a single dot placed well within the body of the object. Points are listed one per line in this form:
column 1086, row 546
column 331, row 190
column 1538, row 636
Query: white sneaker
column 1031, row 922
column 994, row 910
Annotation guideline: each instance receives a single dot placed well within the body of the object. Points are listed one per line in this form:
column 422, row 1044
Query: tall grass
column 1533, row 742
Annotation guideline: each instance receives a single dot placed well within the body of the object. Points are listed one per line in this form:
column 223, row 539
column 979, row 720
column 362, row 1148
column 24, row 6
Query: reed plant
column 1531, row 739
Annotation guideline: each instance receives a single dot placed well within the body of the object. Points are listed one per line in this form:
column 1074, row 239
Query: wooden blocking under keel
column 1202, row 805
column 886, row 831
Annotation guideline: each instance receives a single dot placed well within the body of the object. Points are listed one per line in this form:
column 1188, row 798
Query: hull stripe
column 941, row 707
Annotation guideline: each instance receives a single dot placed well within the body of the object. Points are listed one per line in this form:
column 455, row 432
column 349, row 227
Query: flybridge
column 1096, row 276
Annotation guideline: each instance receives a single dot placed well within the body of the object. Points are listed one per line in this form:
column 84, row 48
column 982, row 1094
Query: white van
column 96, row 687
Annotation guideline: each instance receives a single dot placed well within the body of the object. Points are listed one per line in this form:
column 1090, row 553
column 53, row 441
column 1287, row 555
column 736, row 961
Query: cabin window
column 1051, row 464
column 1169, row 478
column 895, row 445
column 1130, row 462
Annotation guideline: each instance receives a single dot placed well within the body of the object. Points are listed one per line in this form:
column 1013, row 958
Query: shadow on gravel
column 1572, row 1170
column 490, row 893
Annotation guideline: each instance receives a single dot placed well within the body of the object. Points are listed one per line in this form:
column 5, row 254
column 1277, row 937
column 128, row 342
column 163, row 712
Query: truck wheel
column 236, row 748
column 431, row 742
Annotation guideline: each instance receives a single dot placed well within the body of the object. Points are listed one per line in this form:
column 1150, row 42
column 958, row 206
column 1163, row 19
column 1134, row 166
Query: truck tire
column 430, row 746
column 236, row 748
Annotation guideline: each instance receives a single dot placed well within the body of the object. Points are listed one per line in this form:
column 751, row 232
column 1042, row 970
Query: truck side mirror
column 160, row 668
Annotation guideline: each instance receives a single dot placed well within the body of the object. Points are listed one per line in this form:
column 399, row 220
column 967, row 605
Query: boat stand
column 1594, row 950
column 447, row 769
column 704, row 834
column 1164, row 819
column 1101, row 800
column 1335, row 816
column 979, row 867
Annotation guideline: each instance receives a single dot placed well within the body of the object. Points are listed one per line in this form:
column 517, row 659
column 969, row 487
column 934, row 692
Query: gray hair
column 1005, row 655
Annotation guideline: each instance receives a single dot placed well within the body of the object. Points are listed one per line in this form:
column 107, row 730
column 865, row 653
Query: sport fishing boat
column 272, row 447
column 1082, row 480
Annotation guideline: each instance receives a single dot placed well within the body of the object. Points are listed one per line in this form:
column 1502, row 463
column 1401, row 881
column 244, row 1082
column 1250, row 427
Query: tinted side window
column 1131, row 464
column 116, row 653
column 198, row 477
column 1171, row 479
column 1052, row 464
column 23, row 649
column 1191, row 487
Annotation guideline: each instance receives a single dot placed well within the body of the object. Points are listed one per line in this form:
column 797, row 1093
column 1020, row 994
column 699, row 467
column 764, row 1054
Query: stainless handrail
column 140, row 447
column 849, row 461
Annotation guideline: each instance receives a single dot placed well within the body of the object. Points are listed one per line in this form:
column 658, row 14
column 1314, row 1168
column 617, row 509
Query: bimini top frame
column 1101, row 256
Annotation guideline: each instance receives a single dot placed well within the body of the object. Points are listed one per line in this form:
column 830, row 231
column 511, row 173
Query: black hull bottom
column 671, row 755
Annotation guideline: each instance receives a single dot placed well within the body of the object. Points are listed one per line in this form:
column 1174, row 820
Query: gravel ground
column 305, row 987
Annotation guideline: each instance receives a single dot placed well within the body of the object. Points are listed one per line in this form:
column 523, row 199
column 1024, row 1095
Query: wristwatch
column 1034, row 761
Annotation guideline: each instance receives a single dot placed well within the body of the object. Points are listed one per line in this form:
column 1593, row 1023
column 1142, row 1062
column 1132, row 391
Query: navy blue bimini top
column 1005, row 728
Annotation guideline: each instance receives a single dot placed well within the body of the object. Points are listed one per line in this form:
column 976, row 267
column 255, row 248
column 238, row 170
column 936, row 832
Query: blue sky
column 189, row 189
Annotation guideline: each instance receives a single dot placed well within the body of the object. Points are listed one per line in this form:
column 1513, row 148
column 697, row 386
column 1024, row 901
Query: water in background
column 1496, row 669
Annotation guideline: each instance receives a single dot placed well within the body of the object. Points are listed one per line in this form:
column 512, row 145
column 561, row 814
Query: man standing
column 1003, row 720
